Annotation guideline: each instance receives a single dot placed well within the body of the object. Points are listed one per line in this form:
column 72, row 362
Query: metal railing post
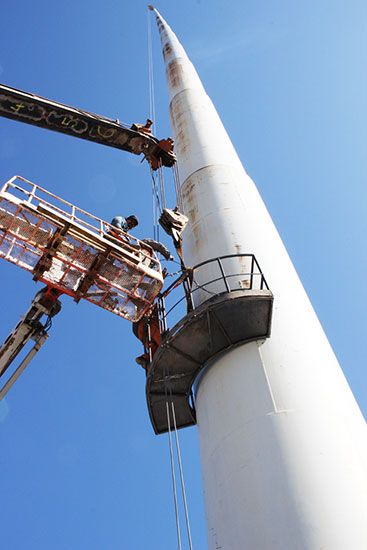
column 32, row 193
column 252, row 271
column 223, row 275
column 188, row 294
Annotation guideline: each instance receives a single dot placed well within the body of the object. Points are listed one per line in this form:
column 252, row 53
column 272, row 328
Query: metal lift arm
column 38, row 111
column 29, row 327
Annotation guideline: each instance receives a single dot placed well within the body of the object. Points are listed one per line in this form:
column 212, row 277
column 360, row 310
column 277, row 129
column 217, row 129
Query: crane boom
column 38, row 111
column 29, row 327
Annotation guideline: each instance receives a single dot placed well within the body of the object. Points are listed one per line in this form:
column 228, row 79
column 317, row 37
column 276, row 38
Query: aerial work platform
column 232, row 315
column 71, row 250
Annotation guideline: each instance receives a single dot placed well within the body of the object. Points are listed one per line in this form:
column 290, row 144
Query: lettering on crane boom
column 42, row 112
column 68, row 250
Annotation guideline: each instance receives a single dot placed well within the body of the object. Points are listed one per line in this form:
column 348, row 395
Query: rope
column 161, row 183
column 158, row 205
column 157, row 208
column 154, row 216
column 151, row 76
column 176, row 178
column 173, row 476
column 182, row 479
column 168, row 389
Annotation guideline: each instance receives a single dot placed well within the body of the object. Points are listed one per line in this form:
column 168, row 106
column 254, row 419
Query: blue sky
column 80, row 464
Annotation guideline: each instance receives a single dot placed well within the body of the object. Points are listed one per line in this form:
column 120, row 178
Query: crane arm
column 38, row 111
column 29, row 327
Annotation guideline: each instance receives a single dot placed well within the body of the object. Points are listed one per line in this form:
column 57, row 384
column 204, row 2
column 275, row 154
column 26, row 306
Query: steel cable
column 182, row 478
column 173, row 475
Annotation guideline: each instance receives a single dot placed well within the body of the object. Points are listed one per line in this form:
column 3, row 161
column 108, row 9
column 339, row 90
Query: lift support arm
column 29, row 328
column 38, row 111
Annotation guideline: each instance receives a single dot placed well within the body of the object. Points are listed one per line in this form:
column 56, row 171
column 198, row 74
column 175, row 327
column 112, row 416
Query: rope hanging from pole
column 182, row 478
column 173, row 474
column 159, row 204
column 157, row 207
column 169, row 399
column 176, row 179
column 151, row 77
column 161, row 183
column 158, row 187
column 154, row 215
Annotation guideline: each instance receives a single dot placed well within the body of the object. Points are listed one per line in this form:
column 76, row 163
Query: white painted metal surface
column 283, row 444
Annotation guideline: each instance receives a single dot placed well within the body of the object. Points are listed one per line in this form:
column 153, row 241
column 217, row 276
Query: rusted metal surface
column 38, row 111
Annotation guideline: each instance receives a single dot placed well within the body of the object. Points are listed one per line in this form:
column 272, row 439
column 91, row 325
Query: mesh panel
column 86, row 257
column 7, row 211
column 128, row 278
column 132, row 311
column 18, row 252
column 149, row 288
column 30, row 258
column 69, row 248
column 111, row 269
column 43, row 234
column 4, row 248
column 120, row 275
column 96, row 292
column 114, row 301
column 72, row 279
column 24, row 227
column 74, row 251
column 27, row 227
column 14, row 251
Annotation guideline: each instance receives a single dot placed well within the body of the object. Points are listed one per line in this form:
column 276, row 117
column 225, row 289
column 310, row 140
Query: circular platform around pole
column 220, row 323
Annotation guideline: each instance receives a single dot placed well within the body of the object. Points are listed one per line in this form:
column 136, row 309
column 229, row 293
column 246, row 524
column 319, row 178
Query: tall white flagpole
column 282, row 441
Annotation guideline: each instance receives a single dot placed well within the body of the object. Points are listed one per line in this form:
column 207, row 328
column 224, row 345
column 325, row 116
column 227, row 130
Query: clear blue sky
column 80, row 465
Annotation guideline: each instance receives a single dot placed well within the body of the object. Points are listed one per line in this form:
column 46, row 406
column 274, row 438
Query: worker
column 125, row 223
column 145, row 128
column 141, row 329
column 122, row 224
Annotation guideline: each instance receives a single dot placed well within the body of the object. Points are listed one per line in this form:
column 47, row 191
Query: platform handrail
column 101, row 227
column 186, row 277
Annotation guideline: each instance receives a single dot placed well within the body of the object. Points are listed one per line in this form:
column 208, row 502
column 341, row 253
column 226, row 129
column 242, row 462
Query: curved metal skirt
column 224, row 321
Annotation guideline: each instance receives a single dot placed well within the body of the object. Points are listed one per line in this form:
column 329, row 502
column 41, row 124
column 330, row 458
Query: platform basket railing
column 34, row 194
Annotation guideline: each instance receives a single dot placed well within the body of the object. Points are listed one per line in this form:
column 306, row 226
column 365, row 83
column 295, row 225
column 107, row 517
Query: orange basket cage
column 69, row 249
